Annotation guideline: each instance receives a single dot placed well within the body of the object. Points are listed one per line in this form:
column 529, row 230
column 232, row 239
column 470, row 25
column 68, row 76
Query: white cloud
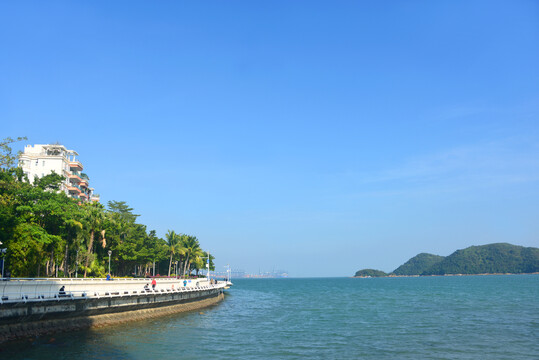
column 464, row 167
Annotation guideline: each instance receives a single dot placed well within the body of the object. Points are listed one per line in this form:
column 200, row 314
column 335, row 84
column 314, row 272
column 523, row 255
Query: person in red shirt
column 154, row 283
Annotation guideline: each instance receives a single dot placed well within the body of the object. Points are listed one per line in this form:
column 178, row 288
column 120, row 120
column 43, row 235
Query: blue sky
column 319, row 137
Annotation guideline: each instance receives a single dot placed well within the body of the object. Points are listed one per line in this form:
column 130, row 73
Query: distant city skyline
column 312, row 136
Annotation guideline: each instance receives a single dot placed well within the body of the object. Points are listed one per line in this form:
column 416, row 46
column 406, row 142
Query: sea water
column 457, row 317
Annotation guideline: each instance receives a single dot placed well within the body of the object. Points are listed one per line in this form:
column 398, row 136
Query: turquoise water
column 472, row 317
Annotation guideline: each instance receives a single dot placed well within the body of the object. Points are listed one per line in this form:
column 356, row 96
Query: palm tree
column 197, row 260
column 174, row 246
column 94, row 219
column 198, row 263
column 192, row 250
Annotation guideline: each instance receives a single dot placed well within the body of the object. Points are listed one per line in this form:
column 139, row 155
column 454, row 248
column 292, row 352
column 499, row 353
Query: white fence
column 31, row 290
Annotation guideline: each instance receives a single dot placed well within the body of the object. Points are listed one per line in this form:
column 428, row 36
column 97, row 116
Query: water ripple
column 495, row 317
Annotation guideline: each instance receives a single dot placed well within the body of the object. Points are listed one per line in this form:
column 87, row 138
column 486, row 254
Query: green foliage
column 49, row 182
column 97, row 269
column 45, row 231
column 370, row 273
column 7, row 159
column 418, row 264
column 122, row 211
column 501, row 258
column 498, row 258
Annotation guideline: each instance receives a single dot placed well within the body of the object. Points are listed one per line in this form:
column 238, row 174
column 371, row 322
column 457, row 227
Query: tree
column 200, row 262
column 34, row 222
column 43, row 228
column 175, row 246
column 7, row 159
column 122, row 210
column 94, row 219
column 192, row 250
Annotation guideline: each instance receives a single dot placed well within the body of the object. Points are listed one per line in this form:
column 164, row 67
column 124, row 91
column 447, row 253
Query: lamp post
column 77, row 266
column 176, row 269
column 110, row 253
column 208, row 266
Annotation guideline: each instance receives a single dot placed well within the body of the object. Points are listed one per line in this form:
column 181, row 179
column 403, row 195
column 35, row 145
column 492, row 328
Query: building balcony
column 83, row 196
column 84, row 183
column 73, row 189
column 75, row 177
column 75, row 165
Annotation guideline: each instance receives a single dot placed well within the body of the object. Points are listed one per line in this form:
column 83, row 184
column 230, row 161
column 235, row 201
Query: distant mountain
column 498, row 258
column 370, row 273
column 418, row 264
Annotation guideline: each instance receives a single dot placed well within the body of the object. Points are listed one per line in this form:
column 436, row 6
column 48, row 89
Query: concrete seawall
column 31, row 318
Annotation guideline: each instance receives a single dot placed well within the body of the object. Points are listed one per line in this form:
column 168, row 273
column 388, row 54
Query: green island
column 499, row 258
column 370, row 273
column 46, row 233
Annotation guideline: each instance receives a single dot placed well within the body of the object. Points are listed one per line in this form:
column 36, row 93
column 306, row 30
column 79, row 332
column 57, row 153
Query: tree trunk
column 170, row 264
column 64, row 264
column 89, row 252
column 53, row 263
column 185, row 265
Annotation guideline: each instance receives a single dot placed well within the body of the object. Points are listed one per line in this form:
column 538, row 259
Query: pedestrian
column 154, row 283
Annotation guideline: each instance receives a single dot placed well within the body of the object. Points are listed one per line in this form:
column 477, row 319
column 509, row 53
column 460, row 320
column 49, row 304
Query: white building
column 41, row 160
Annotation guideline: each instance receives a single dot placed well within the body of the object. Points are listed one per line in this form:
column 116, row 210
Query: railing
column 92, row 280
column 74, row 186
column 75, row 164
column 23, row 292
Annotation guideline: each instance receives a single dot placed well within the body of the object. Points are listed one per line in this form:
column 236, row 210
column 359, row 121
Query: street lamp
column 176, row 269
column 77, row 267
column 208, row 266
column 110, row 253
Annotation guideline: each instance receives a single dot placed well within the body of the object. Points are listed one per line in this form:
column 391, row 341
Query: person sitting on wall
column 154, row 283
column 185, row 283
column 62, row 292
column 146, row 287
column 108, row 277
